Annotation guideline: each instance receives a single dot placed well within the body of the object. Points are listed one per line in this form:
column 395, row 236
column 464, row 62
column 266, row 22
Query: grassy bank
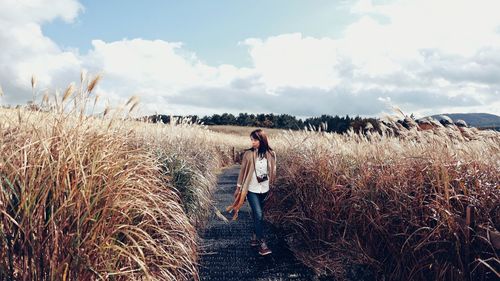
column 407, row 209
column 85, row 197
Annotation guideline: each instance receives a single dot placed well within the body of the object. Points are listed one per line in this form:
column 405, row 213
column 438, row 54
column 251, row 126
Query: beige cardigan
column 245, row 176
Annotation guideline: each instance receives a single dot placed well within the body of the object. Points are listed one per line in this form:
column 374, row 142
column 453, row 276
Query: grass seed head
column 91, row 86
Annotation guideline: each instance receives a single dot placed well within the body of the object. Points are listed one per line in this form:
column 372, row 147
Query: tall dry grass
column 85, row 197
column 191, row 156
column 409, row 209
column 241, row 131
column 79, row 203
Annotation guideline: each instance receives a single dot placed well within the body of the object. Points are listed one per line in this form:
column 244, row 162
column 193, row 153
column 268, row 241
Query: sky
column 304, row 58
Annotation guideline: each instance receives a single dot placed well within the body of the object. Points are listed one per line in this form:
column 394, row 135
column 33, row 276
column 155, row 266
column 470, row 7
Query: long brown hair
column 260, row 135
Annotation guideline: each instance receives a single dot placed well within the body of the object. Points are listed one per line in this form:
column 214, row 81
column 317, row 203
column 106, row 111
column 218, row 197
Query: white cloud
column 454, row 26
column 159, row 63
column 26, row 51
column 424, row 56
column 291, row 60
column 155, row 70
column 38, row 11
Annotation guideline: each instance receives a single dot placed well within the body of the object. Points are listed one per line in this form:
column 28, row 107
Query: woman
column 257, row 173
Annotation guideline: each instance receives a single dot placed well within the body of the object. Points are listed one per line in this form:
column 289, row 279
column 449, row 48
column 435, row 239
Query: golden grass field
column 86, row 198
column 420, row 208
column 241, row 131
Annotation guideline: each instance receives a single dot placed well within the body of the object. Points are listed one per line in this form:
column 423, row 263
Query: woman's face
column 255, row 143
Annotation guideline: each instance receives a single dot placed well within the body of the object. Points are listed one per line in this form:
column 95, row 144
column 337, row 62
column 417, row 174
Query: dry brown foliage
column 410, row 209
column 85, row 197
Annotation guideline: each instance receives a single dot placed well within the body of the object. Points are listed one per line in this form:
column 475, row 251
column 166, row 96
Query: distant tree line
column 282, row 121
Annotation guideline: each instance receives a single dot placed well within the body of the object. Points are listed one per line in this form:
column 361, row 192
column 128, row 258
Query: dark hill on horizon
column 479, row 120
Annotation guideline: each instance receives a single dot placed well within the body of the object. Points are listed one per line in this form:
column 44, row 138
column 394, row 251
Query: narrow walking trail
column 226, row 253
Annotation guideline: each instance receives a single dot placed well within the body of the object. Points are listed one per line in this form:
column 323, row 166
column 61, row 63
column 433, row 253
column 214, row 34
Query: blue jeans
column 256, row 201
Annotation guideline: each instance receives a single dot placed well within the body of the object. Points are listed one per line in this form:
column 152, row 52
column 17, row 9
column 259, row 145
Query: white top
column 261, row 168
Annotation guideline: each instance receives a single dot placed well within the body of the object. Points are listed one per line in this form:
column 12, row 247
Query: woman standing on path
column 258, row 171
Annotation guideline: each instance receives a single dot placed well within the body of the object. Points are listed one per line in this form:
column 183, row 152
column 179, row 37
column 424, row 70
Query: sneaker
column 254, row 242
column 263, row 249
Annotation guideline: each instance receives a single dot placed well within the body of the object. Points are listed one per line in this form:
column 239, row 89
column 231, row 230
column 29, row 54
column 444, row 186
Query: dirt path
column 226, row 253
